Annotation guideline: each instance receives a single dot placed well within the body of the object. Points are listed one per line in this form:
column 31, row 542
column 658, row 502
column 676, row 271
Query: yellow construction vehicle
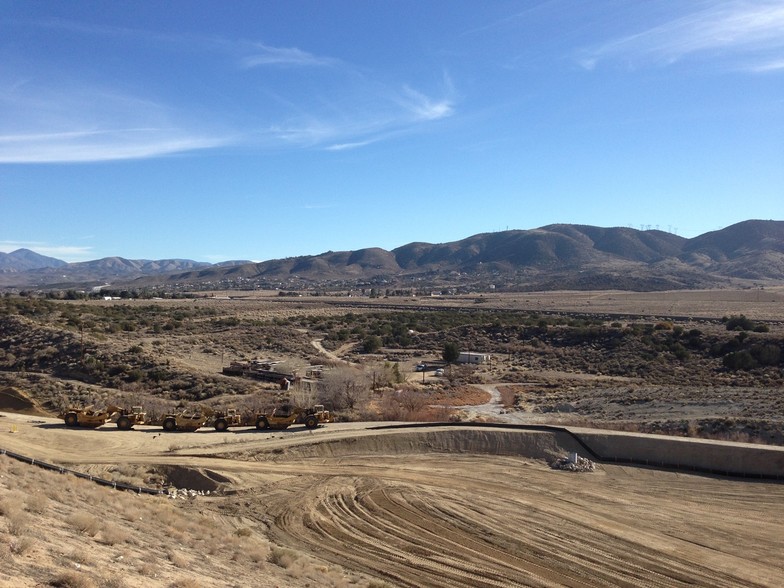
column 185, row 421
column 223, row 420
column 84, row 417
column 286, row 415
column 125, row 418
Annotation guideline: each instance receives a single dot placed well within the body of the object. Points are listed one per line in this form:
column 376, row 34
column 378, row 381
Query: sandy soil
column 447, row 507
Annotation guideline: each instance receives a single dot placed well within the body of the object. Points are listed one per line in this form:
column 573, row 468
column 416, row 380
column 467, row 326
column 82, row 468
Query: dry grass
column 37, row 503
column 177, row 558
column 78, row 556
column 18, row 523
column 58, row 533
column 11, row 504
column 147, row 569
column 113, row 582
column 71, row 579
column 22, row 545
column 186, row 583
column 114, row 534
column 283, row 557
column 84, row 523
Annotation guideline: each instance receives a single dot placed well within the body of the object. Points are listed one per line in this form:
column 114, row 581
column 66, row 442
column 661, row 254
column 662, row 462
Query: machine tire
column 311, row 421
column 71, row 420
column 169, row 424
column 124, row 423
column 221, row 425
column 262, row 423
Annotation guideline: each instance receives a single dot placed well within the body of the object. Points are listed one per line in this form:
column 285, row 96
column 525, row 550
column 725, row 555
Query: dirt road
column 454, row 506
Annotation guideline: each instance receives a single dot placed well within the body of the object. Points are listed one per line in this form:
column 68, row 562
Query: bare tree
column 303, row 396
column 345, row 388
column 412, row 401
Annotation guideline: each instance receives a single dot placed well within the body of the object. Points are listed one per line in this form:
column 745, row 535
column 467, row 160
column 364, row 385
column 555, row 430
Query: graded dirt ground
column 350, row 505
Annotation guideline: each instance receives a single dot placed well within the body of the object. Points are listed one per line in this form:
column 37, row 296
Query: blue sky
column 258, row 130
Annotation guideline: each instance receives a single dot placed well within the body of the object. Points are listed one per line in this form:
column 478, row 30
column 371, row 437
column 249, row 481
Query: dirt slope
column 13, row 400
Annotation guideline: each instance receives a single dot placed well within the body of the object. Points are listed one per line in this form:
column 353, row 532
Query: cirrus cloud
column 749, row 33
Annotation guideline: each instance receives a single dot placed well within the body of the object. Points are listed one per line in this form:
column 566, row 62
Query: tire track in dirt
column 404, row 533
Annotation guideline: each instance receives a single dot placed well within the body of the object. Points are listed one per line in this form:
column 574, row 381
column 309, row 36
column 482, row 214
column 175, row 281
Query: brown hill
column 554, row 256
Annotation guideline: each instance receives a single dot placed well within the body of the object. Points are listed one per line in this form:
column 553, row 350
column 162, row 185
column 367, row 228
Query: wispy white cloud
column 352, row 145
column 64, row 118
column 770, row 66
column 261, row 54
column 381, row 114
column 426, row 108
column 93, row 146
column 750, row 32
column 47, row 123
column 248, row 53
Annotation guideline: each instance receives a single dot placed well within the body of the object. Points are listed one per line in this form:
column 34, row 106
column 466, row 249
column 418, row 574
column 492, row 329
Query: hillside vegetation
column 596, row 369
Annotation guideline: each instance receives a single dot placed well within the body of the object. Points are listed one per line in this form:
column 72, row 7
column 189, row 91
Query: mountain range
column 559, row 256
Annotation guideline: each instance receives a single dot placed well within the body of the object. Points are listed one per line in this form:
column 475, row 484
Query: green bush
column 739, row 323
column 371, row 344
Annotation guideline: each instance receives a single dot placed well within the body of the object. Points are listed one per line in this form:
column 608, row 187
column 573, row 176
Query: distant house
column 473, row 357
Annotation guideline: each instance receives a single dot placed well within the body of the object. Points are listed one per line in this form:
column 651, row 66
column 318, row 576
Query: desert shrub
column 766, row 354
column 177, row 559
column 679, row 351
column 146, row 568
column 282, row 557
column 135, row 375
column 113, row 534
column 37, row 503
column 186, row 583
column 112, row 582
column 257, row 555
column 371, row 344
column 22, row 545
column 18, row 523
column 78, row 556
column 738, row 323
column 10, row 505
column 739, row 360
column 71, row 579
column 84, row 523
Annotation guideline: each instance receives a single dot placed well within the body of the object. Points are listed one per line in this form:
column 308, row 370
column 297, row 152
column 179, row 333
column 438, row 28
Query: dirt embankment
column 13, row 400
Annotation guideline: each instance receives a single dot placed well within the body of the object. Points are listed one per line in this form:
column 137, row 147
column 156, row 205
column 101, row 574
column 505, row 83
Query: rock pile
column 573, row 463
column 186, row 494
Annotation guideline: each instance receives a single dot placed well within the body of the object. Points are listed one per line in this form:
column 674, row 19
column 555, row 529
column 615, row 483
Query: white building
column 473, row 357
